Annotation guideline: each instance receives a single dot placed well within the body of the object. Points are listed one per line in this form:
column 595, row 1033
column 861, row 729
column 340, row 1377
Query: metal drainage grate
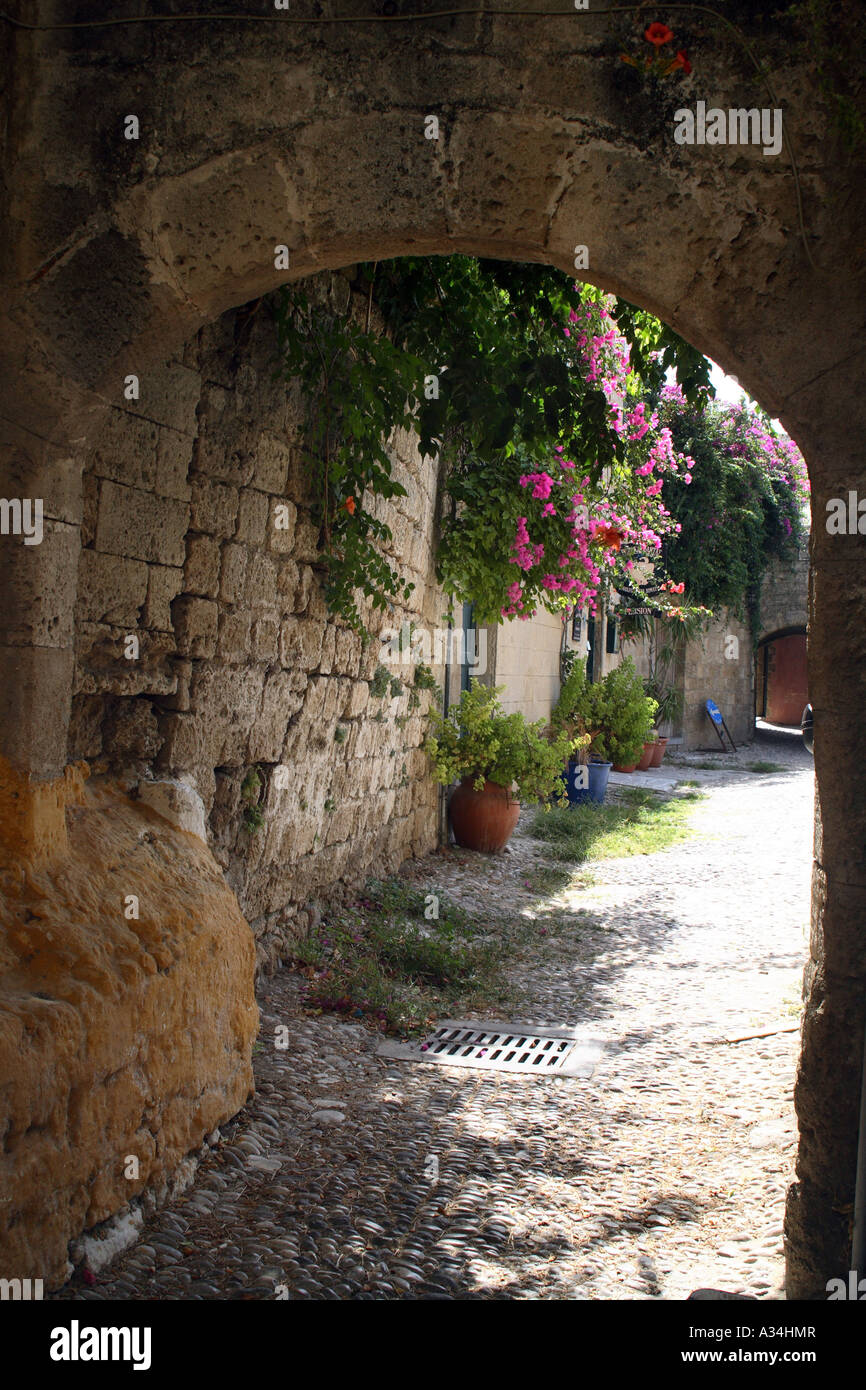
column 529, row 1049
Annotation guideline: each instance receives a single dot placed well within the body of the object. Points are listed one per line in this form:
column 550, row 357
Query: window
column 468, row 657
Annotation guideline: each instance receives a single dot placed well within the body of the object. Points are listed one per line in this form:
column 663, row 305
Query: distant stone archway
column 253, row 138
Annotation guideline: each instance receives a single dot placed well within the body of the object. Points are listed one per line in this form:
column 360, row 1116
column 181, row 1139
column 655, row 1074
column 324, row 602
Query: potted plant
column 668, row 698
column 500, row 762
column 608, row 720
column 625, row 715
column 572, row 715
column 649, row 750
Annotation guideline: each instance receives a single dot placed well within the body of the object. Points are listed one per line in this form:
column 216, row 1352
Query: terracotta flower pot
column 646, row 756
column 659, row 752
column 631, row 767
column 483, row 820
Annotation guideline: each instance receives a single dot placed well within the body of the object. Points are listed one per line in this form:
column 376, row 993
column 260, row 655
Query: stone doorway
column 125, row 249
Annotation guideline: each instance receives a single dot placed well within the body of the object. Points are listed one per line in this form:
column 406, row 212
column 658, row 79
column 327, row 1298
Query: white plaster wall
column 527, row 665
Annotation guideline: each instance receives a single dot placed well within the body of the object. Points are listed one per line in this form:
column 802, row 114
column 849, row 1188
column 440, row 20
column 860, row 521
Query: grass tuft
column 637, row 823
column 388, row 961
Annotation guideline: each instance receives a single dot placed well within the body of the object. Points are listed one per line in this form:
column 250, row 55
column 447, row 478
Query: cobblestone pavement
column 351, row 1177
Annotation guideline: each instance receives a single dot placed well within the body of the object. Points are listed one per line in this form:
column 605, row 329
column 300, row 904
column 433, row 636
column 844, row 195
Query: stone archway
column 315, row 140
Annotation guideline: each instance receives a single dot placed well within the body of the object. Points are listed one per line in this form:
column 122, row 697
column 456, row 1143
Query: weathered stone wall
column 240, row 665
column 126, row 1029
column 255, row 133
column 703, row 671
column 710, row 673
column 785, row 595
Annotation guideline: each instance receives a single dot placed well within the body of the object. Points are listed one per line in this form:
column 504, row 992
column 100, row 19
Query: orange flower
column 658, row 34
column 610, row 538
column 350, row 505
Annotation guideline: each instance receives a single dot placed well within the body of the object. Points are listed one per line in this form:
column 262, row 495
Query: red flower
column 350, row 506
column 658, row 34
column 681, row 61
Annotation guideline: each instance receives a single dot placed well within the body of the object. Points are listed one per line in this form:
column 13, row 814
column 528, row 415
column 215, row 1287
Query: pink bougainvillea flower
column 658, row 34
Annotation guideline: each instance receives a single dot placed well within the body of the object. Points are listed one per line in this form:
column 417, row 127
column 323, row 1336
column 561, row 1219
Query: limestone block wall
column 719, row 667
column 241, row 677
column 785, row 594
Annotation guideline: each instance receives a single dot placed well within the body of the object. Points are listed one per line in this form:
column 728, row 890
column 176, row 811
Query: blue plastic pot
column 598, row 774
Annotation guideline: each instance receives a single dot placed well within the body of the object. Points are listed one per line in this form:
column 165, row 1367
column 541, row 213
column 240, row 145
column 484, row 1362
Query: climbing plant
column 744, row 506
column 358, row 386
column 479, row 357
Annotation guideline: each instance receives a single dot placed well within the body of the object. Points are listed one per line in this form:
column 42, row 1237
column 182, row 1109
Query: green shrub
column 613, row 718
column 478, row 740
column 624, row 714
column 572, row 710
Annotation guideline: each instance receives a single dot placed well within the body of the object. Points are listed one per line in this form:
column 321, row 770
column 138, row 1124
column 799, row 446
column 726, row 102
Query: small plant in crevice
column 423, row 679
column 661, row 60
column 395, row 686
column 330, row 804
column 341, row 733
column 381, row 682
column 252, row 817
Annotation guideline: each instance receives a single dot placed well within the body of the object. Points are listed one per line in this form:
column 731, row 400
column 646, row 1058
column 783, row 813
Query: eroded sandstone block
column 119, row 1036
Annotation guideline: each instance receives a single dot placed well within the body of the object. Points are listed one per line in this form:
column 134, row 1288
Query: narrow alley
column 351, row 1176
